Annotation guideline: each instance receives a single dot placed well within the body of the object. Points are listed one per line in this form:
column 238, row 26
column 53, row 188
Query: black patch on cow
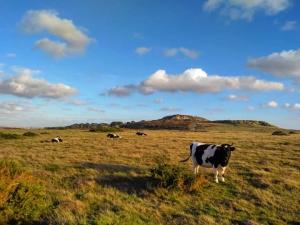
column 220, row 158
column 199, row 152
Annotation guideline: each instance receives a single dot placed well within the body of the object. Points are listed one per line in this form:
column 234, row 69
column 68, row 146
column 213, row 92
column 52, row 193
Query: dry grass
column 89, row 179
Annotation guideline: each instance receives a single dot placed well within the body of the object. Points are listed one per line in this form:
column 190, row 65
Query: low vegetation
column 90, row 179
column 280, row 132
column 105, row 129
column 9, row 136
column 30, row 134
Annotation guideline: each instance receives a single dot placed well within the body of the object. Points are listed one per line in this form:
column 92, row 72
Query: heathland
column 90, row 179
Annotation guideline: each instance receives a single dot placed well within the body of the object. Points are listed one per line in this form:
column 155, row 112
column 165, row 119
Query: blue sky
column 63, row 62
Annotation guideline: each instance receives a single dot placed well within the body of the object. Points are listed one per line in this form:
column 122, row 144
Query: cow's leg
column 216, row 174
column 222, row 174
column 196, row 168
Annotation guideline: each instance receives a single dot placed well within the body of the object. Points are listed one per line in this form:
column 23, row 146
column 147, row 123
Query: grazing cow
column 57, row 139
column 210, row 155
column 111, row 135
column 141, row 133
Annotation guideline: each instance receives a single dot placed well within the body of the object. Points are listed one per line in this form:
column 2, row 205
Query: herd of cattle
column 202, row 154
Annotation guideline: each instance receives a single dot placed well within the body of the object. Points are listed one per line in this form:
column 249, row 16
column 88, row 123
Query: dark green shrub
column 279, row 132
column 9, row 136
column 175, row 176
column 105, row 129
column 30, row 134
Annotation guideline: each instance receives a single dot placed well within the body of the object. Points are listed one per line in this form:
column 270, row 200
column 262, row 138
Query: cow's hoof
column 217, row 181
column 223, row 179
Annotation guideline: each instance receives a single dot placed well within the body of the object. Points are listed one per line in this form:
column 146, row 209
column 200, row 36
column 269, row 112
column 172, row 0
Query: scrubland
column 89, row 179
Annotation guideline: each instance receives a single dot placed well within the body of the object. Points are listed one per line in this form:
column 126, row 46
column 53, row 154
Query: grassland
column 89, row 179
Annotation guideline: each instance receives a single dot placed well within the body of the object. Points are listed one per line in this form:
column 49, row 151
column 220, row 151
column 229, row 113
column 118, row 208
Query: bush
column 174, row 176
column 279, row 132
column 9, row 136
column 105, row 129
column 30, row 134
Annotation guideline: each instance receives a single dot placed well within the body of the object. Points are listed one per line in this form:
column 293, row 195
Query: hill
column 187, row 122
column 173, row 122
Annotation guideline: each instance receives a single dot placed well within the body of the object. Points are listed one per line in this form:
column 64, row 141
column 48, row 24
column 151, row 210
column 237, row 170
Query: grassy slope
column 95, row 180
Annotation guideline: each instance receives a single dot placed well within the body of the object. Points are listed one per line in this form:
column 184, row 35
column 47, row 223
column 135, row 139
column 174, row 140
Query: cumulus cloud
column 195, row 80
column 246, row 9
column 233, row 97
column 282, row 64
column 73, row 39
column 292, row 106
column 171, row 52
column 271, row 104
column 142, row 50
column 289, row 25
column 23, row 84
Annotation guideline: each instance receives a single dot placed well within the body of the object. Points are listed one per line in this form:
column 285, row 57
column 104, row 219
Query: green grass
column 90, row 179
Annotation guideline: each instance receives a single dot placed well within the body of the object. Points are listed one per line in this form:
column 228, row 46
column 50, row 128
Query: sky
column 73, row 61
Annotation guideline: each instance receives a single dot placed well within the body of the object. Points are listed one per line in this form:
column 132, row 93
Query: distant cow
column 57, row 139
column 210, row 155
column 112, row 135
column 141, row 133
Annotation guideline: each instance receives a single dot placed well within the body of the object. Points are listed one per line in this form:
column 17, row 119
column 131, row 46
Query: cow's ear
column 232, row 148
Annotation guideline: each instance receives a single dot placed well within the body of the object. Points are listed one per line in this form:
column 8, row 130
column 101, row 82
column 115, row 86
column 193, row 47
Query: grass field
column 89, row 179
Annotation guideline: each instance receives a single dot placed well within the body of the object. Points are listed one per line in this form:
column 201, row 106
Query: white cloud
column 74, row 39
column 142, row 50
column 121, row 91
column 23, row 84
column 233, row 97
column 246, row 9
column 195, row 80
column 271, row 104
column 14, row 108
column 282, row 64
column 292, row 106
column 171, row 52
column 289, row 25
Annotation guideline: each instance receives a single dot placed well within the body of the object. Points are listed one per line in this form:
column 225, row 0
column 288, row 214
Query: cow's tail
column 184, row 160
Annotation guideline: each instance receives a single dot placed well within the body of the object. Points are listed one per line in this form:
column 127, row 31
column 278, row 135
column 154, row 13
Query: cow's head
column 228, row 147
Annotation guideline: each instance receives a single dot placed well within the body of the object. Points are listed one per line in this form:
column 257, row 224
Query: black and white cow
column 57, row 139
column 112, row 135
column 210, row 155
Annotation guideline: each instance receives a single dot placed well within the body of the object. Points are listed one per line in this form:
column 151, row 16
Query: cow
column 112, row 135
column 210, row 155
column 57, row 139
column 141, row 133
